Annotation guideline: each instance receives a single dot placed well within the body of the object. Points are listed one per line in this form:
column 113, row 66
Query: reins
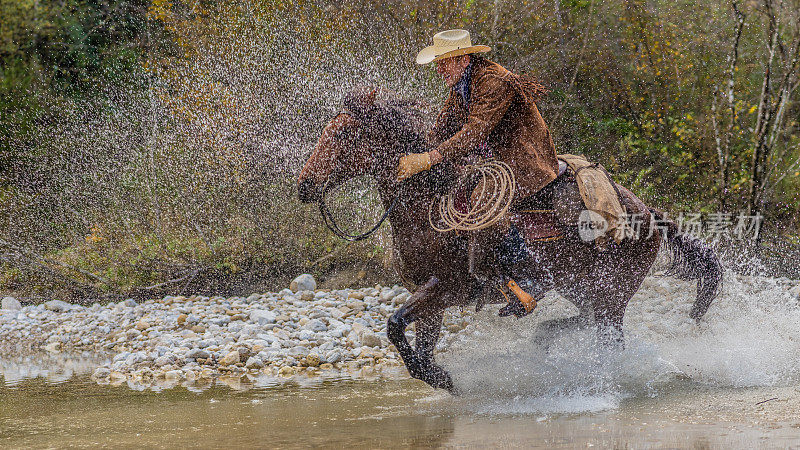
column 331, row 224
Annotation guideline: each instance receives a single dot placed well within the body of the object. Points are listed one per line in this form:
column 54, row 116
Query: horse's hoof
column 454, row 391
column 440, row 379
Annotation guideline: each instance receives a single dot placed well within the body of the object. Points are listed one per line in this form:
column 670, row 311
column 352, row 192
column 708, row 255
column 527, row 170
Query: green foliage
column 141, row 140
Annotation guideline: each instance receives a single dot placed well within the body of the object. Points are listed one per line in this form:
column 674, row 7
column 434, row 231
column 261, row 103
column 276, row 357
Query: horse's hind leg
column 547, row 330
column 426, row 305
column 620, row 278
column 608, row 318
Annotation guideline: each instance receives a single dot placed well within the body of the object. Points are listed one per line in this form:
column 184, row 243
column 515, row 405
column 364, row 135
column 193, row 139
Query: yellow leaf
column 752, row 109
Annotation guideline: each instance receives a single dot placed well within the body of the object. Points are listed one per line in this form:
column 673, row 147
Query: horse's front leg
column 426, row 307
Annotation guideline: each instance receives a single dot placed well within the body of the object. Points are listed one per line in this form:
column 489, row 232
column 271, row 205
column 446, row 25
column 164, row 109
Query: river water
column 732, row 381
column 384, row 413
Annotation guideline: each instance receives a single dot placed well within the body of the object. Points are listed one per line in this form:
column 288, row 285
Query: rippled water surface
column 386, row 413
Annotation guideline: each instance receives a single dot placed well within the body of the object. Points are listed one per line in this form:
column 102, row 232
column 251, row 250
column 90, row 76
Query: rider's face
column 451, row 69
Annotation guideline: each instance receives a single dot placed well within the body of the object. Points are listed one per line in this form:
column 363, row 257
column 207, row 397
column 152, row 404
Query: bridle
column 331, row 224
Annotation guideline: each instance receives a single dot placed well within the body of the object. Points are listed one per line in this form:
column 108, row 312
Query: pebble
column 101, row 372
column 194, row 338
column 230, row 359
column 254, row 363
column 369, row 339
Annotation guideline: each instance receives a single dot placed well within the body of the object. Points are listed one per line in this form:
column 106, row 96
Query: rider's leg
column 498, row 253
column 513, row 258
column 500, row 258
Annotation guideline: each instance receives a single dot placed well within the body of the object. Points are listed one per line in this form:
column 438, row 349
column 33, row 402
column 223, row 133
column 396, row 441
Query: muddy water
column 386, row 413
column 732, row 381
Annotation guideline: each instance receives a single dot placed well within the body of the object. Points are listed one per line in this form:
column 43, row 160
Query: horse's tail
column 691, row 259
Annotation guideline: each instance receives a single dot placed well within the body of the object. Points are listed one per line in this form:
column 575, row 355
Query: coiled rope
column 490, row 206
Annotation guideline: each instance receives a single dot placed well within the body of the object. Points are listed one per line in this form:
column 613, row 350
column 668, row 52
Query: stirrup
column 521, row 306
column 526, row 299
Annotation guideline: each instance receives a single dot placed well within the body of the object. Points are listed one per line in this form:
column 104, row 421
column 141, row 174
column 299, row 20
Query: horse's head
column 366, row 138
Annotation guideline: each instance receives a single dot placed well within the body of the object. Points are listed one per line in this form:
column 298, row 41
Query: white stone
column 173, row 375
column 53, row 347
column 333, row 356
column 254, row 363
column 316, row 325
column 304, row 282
column 164, row 360
column 57, row 306
column 197, row 353
column 263, row 316
column 10, row 304
column 401, row 298
column 101, row 372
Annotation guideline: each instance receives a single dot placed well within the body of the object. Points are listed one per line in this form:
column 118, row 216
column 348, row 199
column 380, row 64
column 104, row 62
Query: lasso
column 490, row 205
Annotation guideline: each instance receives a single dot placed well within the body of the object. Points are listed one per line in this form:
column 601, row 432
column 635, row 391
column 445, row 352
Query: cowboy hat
column 447, row 44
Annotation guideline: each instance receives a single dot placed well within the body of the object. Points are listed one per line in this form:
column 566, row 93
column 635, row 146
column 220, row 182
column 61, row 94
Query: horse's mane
column 397, row 122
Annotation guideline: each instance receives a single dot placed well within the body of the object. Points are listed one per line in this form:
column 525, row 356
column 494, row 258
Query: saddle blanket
column 537, row 225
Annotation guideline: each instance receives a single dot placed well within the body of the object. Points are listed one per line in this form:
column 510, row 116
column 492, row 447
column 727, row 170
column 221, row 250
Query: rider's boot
column 511, row 254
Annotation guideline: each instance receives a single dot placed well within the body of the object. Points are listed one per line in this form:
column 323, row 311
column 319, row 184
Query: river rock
column 230, row 359
column 10, row 304
column 401, row 298
column 333, row 356
column 370, row 339
column 197, row 353
column 53, row 347
column 316, row 325
column 304, row 282
column 298, row 351
column 169, row 358
column 57, row 306
column 254, row 363
column 101, row 372
column 173, row 375
column 312, row 360
column 263, row 316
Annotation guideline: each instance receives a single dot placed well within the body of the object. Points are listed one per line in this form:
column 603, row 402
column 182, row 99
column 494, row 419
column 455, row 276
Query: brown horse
column 368, row 137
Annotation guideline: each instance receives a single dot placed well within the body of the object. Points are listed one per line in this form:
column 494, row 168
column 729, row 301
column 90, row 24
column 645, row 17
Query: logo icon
column 591, row 225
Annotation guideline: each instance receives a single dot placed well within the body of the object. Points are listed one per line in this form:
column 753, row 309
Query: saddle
column 539, row 218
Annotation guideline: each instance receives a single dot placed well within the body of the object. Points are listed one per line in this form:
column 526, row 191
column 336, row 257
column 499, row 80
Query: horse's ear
column 370, row 98
column 361, row 101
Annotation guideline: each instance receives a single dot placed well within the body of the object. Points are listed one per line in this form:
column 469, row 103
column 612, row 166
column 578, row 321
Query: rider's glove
column 415, row 163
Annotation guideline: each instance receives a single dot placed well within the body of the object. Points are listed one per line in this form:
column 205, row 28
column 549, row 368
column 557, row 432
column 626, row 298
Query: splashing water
column 747, row 339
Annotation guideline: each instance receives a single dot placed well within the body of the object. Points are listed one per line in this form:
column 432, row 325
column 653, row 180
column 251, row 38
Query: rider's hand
column 413, row 164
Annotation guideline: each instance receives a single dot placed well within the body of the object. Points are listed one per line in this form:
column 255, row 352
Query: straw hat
column 447, row 44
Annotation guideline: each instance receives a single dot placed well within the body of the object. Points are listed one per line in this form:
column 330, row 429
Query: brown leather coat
column 503, row 115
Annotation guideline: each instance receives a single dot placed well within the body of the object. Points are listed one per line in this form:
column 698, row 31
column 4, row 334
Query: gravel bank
column 194, row 339
column 307, row 334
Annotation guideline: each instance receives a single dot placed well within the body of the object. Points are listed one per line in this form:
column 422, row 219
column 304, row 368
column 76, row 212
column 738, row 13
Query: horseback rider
column 490, row 112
